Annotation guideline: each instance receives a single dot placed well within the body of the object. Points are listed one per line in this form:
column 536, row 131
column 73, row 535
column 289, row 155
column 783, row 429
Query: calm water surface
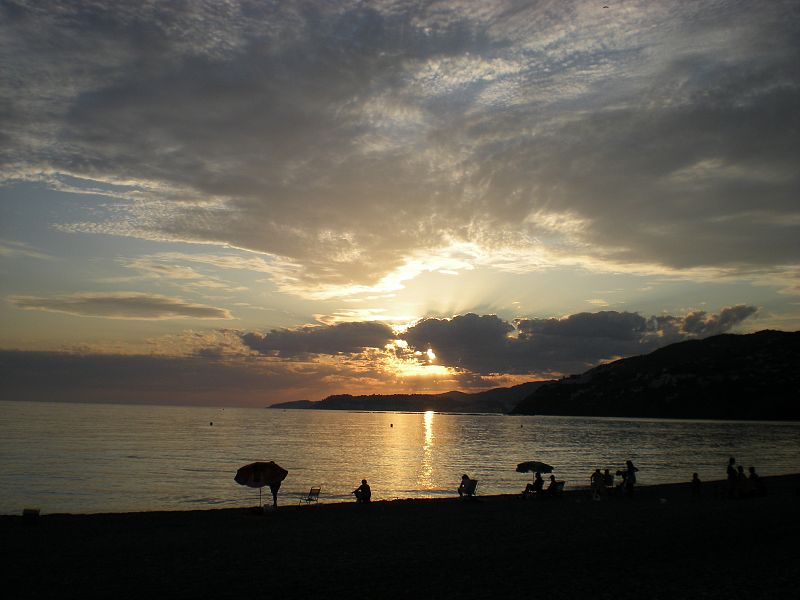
column 108, row 458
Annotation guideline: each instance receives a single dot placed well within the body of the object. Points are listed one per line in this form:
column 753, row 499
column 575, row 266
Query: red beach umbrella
column 259, row 474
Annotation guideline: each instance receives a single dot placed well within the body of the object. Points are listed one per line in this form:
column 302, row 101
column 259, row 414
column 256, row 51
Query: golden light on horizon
column 412, row 368
column 403, row 362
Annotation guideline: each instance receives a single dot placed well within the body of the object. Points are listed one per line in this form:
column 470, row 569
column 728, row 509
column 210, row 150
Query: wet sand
column 660, row 544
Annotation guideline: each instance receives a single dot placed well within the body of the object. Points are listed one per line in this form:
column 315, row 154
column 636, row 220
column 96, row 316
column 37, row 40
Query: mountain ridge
column 729, row 376
column 495, row 400
column 749, row 377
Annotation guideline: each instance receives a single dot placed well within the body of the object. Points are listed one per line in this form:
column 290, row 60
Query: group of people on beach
column 603, row 483
column 537, row 488
column 741, row 485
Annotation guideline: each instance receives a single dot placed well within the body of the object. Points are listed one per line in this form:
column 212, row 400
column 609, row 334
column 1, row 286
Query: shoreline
column 667, row 491
column 661, row 543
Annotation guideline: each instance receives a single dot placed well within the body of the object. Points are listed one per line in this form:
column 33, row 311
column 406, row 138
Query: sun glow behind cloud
column 406, row 363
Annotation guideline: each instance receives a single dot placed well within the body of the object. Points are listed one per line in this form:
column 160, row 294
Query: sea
column 99, row 458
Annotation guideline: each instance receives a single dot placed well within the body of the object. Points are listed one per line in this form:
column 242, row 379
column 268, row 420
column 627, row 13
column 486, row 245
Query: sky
column 245, row 202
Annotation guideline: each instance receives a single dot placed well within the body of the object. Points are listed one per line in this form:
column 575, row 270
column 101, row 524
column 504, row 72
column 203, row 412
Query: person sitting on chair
column 362, row 492
column 553, row 487
column 466, row 488
column 743, row 487
column 464, row 485
column 535, row 488
column 757, row 487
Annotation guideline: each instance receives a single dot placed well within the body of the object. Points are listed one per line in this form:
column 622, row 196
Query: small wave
column 209, row 501
column 428, row 493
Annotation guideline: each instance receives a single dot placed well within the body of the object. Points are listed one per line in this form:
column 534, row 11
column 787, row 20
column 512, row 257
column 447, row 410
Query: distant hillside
column 755, row 376
column 497, row 400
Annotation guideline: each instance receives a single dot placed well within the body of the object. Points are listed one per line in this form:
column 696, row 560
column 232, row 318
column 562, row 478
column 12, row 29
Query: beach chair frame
column 313, row 496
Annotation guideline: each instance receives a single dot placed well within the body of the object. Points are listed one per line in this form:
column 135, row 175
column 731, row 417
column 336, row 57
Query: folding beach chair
column 313, row 496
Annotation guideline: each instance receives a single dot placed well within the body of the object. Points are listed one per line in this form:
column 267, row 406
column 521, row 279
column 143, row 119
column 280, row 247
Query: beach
column 663, row 543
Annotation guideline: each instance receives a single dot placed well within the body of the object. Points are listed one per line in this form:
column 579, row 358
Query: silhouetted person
column 552, row 487
column 274, row 487
column 742, row 484
column 621, row 485
column 464, row 485
column 630, row 477
column 608, row 479
column 696, row 485
column 733, row 477
column 757, row 487
column 362, row 492
column 535, row 488
column 597, row 482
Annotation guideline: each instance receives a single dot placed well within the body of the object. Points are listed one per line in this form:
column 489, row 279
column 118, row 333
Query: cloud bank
column 121, row 305
column 343, row 141
column 340, row 338
column 472, row 352
column 487, row 344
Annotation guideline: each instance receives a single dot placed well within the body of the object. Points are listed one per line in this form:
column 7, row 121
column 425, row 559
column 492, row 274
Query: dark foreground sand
column 492, row 547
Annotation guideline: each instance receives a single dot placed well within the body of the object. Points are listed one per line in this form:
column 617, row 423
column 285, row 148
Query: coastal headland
column 663, row 543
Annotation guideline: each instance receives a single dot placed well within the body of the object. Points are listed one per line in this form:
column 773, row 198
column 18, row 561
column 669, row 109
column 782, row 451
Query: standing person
column 597, row 482
column 733, row 477
column 696, row 484
column 274, row 487
column 363, row 492
column 630, row 477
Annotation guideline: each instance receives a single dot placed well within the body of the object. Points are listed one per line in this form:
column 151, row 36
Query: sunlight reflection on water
column 103, row 458
column 425, row 480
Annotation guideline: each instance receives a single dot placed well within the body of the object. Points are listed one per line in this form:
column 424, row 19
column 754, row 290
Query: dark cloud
column 577, row 342
column 323, row 339
column 486, row 344
column 465, row 341
column 121, row 305
column 340, row 137
column 568, row 345
column 702, row 324
column 623, row 326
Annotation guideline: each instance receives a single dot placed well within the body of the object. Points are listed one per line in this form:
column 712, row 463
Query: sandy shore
column 660, row 544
